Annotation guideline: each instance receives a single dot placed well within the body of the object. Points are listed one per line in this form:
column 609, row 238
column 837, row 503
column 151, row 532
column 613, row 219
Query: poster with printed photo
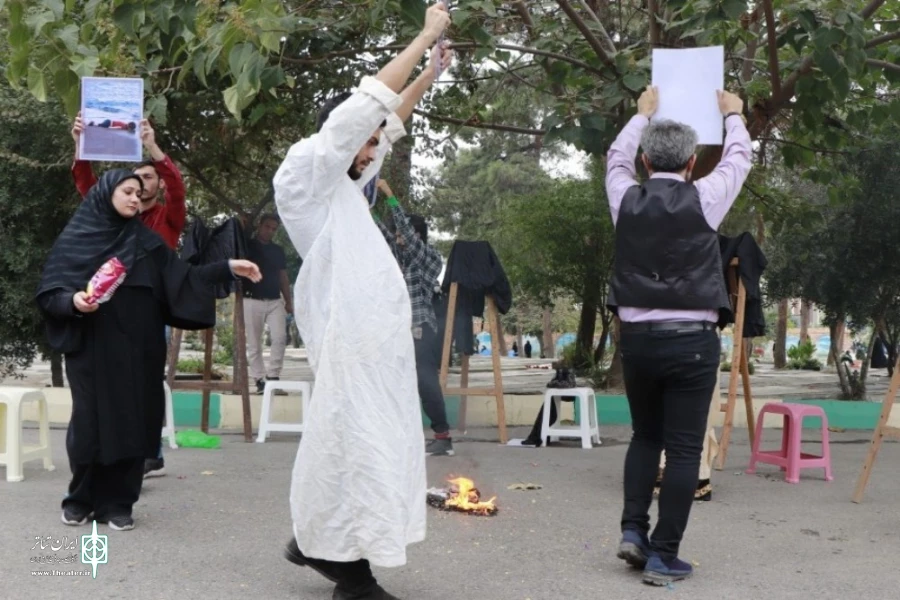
column 111, row 110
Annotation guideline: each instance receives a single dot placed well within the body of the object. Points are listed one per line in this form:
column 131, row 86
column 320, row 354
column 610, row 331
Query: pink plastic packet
column 105, row 281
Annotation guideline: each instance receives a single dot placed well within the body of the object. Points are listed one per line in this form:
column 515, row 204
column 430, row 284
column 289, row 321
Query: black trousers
column 106, row 490
column 669, row 380
column 428, row 366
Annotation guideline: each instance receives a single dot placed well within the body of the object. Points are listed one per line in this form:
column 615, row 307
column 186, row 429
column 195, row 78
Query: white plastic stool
column 265, row 426
column 15, row 454
column 168, row 430
column 588, row 430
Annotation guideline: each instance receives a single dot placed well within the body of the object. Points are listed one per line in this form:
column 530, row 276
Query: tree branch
column 653, row 9
column 871, row 9
column 592, row 40
column 883, row 64
column 479, row 125
column 773, row 51
column 798, row 145
column 604, row 35
column 882, row 39
column 522, row 9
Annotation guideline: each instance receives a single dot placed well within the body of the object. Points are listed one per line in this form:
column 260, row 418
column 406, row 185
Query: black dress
column 116, row 373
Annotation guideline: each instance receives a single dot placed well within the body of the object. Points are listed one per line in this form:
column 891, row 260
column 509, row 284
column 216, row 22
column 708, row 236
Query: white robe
column 358, row 485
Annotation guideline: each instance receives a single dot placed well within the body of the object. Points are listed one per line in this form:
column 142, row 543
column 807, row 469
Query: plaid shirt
column 421, row 265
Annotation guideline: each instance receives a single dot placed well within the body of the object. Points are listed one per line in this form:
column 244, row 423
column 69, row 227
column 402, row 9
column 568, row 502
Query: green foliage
column 36, row 200
column 802, row 356
column 725, row 367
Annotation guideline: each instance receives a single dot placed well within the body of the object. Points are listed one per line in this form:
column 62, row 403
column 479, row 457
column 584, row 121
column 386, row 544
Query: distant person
column 267, row 303
column 515, row 348
column 527, row 349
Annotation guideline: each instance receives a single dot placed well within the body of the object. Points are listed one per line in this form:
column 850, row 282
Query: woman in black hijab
column 115, row 352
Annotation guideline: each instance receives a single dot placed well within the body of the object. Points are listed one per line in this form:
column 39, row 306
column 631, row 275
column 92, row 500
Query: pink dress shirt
column 718, row 191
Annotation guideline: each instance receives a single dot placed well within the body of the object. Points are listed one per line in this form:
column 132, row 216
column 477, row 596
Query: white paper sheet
column 687, row 81
column 111, row 109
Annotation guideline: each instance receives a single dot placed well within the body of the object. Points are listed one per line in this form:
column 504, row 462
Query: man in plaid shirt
column 421, row 265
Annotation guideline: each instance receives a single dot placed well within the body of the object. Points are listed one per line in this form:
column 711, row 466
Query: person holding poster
column 113, row 341
column 358, row 486
column 667, row 289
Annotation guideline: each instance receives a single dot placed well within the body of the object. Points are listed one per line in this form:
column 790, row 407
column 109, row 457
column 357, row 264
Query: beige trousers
column 258, row 314
column 710, row 443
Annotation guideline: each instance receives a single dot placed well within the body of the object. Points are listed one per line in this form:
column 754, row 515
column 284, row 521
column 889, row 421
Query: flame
column 464, row 496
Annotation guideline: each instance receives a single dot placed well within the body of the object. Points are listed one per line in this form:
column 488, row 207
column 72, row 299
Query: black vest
column 667, row 255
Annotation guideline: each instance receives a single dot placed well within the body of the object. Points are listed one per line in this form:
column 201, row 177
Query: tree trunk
column 804, row 321
column 616, row 378
column 587, row 324
column 519, row 343
column 779, row 351
column 600, row 352
column 842, row 373
column 547, row 347
column 864, row 370
column 56, row 370
column 837, row 340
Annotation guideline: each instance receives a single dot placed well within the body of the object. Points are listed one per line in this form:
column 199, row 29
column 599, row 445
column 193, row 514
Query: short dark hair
column 146, row 163
column 269, row 217
column 420, row 225
column 331, row 104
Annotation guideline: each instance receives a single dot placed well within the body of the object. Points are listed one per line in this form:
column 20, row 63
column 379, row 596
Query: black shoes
column 74, row 517
column 323, row 568
column 439, row 447
column 374, row 593
column 564, row 379
column 154, row 467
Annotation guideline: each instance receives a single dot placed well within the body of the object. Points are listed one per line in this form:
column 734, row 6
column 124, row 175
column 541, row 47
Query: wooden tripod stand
column 239, row 383
column 739, row 364
column 464, row 391
column 881, row 430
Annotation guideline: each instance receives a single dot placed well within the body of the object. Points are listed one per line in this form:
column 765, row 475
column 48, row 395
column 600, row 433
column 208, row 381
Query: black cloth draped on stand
column 225, row 242
column 751, row 264
column 477, row 270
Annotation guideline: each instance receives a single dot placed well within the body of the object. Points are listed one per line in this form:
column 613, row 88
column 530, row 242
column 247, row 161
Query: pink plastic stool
column 790, row 458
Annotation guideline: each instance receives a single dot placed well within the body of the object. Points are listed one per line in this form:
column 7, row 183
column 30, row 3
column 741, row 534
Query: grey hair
column 669, row 145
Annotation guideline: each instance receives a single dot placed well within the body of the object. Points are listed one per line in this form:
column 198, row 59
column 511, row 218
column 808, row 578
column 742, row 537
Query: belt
column 252, row 297
column 671, row 326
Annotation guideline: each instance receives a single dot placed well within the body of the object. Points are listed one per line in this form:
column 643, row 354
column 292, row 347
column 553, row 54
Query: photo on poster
column 111, row 110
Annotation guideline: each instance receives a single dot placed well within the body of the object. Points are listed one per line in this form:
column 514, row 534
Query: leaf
column 826, row 37
column 155, row 108
column 199, row 65
column 19, row 35
column 84, row 66
column 232, row 101
column 129, row 17
column 734, row 8
column 68, row 35
column 413, row 12
column 635, row 81
column 68, row 86
column 829, row 62
column 239, row 57
column 808, row 20
column 593, row 121
column 258, row 112
column 39, row 20
column 37, row 84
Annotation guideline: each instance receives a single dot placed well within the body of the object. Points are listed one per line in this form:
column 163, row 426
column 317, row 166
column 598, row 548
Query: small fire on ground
column 462, row 496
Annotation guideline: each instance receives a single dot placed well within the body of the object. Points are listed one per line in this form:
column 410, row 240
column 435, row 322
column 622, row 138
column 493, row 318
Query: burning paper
column 461, row 496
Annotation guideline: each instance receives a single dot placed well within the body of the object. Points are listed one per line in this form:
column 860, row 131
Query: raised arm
column 720, row 189
column 620, row 172
column 171, row 176
column 416, row 251
column 82, row 172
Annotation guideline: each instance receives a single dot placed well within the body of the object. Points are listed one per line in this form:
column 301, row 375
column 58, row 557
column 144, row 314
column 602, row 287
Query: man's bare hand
column 82, row 305
column 385, row 188
column 437, row 19
column 648, row 103
column 730, row 103
column 77, row 128
column 245, row 268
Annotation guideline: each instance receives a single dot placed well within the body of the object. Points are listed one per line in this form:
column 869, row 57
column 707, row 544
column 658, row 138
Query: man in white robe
column 358, row 485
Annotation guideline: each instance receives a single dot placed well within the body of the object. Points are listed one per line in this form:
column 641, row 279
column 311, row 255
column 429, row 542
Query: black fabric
column 527, row 349
column 271, row 261
column 751, row 264
column 477, row 270
column 669, row 381
column 428, row 365
column 106, row 490
column 880, row 355
column 94, row 234
column 227, row 241
column 667, row 255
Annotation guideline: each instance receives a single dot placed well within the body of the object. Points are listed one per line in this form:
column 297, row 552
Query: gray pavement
column 219, row 535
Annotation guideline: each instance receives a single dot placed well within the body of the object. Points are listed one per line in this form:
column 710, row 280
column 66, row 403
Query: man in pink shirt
column 667, row 289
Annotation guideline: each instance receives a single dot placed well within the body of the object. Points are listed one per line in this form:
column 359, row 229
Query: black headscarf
column 95, row 234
